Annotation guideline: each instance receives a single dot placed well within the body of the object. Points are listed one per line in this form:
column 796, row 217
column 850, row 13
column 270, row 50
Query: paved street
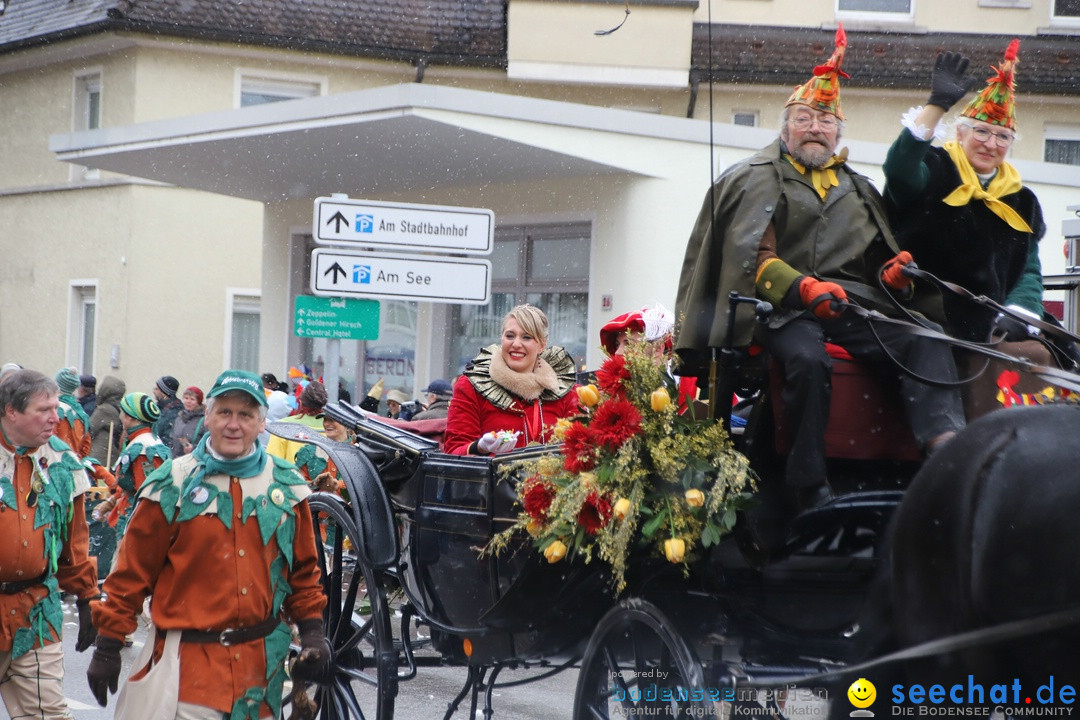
column 425, row 696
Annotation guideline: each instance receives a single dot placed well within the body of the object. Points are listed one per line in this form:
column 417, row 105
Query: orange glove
column 817, row 294
column 893, row 272
column 103, row 476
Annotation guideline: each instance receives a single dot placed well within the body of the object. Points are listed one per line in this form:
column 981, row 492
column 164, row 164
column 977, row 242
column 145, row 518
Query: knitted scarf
column 1006, row 182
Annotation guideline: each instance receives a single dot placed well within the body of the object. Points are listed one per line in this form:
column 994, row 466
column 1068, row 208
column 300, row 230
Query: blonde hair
column 531, row 319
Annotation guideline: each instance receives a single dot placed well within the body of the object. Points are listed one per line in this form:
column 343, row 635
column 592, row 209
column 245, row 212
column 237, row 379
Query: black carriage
column 775, row 604
column 405, row 573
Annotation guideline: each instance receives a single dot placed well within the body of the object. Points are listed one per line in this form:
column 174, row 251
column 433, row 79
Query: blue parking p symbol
column 361, row 274
column 365, row 223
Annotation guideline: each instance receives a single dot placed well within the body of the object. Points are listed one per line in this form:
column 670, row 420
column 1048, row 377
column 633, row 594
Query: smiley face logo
column 862, row 693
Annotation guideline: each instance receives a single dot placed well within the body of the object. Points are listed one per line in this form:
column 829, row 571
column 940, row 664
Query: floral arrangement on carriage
column 636, row 473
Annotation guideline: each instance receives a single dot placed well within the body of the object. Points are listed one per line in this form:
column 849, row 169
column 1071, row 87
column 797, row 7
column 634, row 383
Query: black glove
column 313, row 662
column 104, row 670
column 87, row 631
column 947, row 81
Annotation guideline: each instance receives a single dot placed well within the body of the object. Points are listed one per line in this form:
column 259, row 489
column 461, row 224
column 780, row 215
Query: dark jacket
column 107, row 415
column 968, row 245
column 170, row 408
column 188, row 425
column 719, row 261
column 437, row 409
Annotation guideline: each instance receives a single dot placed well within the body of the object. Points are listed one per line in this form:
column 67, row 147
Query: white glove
column 497, row 442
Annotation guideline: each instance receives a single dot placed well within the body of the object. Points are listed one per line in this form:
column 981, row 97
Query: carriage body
column 424, row 518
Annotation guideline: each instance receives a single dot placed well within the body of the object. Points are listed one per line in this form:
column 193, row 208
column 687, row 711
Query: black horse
column 988, row 534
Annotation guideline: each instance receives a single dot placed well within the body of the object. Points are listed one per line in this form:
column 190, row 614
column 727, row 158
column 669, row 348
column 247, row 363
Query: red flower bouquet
column 633, row 474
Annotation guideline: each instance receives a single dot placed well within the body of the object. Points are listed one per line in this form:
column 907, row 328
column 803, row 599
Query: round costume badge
column 277, row 496
column 37, row 486
column 200, row 495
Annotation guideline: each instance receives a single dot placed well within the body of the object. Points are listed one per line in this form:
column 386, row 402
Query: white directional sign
column 425, row 278
column 401, row 226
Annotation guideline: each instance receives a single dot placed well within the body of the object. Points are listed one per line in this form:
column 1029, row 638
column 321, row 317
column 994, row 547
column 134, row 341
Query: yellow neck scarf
column 1005, row 182
column 823, row 177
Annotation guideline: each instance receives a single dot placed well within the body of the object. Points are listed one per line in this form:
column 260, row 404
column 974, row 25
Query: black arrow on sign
column 337, row 218
column 333, row 270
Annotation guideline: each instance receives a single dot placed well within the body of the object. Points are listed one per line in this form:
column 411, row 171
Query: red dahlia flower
column 538, row 497
column 594, row 513
column 578, row 446
column 612, row 375
column 615, row 422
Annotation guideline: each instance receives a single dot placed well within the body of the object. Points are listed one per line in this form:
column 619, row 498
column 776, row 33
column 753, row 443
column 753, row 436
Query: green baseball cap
column 242, row 380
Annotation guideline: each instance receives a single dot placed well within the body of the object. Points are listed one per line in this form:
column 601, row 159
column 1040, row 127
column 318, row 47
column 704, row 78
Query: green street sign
column 341, row 318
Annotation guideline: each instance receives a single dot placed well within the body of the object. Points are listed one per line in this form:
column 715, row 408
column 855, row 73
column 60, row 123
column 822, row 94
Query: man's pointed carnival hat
column 822, row 91
column 996, row 104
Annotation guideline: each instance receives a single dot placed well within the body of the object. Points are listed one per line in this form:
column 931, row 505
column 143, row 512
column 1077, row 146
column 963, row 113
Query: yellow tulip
column 555, row 551
column 674, row 549
column 588, row 395
column 622, row 506
column 694, row 497
column 660, row 399
column 561, row 426
column 534, row 528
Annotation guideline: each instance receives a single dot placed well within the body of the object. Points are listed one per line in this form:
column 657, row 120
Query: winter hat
column 88, row 381
column 314, row 396
column 68, row 380
column 996, row 104
column 439, row 388
column 193, row 390
column 168, row 385
column 8, row 368
column 140, row 406
column 822, row 91
column 397, row 396
column 654, row 323
column 242, row 380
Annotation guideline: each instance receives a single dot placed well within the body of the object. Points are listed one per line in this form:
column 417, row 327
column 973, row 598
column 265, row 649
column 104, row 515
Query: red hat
column 654, row 323
column 196, row 392
column 609, row 334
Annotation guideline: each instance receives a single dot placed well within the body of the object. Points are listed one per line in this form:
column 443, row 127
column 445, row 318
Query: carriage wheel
column 363, row 679
column 635, row 664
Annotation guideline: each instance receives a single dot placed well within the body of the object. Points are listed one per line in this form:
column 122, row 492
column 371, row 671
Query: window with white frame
column 1066, row 12
column 82, row 324
column 875, row 9
column 544, row 265
column 1061, row 144
column 86, row 112
column 260, row 89
column 243, row 308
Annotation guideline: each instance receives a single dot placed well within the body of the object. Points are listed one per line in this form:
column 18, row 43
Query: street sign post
column 340, row 318
column 386, row 225
column 429, row 278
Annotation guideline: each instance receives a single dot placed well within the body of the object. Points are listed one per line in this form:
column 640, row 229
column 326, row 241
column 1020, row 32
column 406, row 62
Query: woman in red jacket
column 514, row 391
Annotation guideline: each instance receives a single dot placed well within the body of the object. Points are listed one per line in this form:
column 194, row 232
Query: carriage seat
column 867, row 420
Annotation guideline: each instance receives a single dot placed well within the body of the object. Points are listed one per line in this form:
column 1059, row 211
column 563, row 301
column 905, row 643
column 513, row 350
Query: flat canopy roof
column 377, row 141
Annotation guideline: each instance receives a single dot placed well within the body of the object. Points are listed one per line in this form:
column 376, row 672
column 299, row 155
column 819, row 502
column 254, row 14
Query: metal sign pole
column 330, row 369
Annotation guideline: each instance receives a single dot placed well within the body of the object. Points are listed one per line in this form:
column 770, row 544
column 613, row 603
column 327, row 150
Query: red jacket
column 471, row 416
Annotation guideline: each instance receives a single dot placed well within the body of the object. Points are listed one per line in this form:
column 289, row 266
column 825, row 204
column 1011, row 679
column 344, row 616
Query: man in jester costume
column 222, row 541
column 43, row 522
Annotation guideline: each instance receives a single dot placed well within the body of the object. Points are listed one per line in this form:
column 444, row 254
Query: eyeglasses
column 803, row 122
column 982, row 135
